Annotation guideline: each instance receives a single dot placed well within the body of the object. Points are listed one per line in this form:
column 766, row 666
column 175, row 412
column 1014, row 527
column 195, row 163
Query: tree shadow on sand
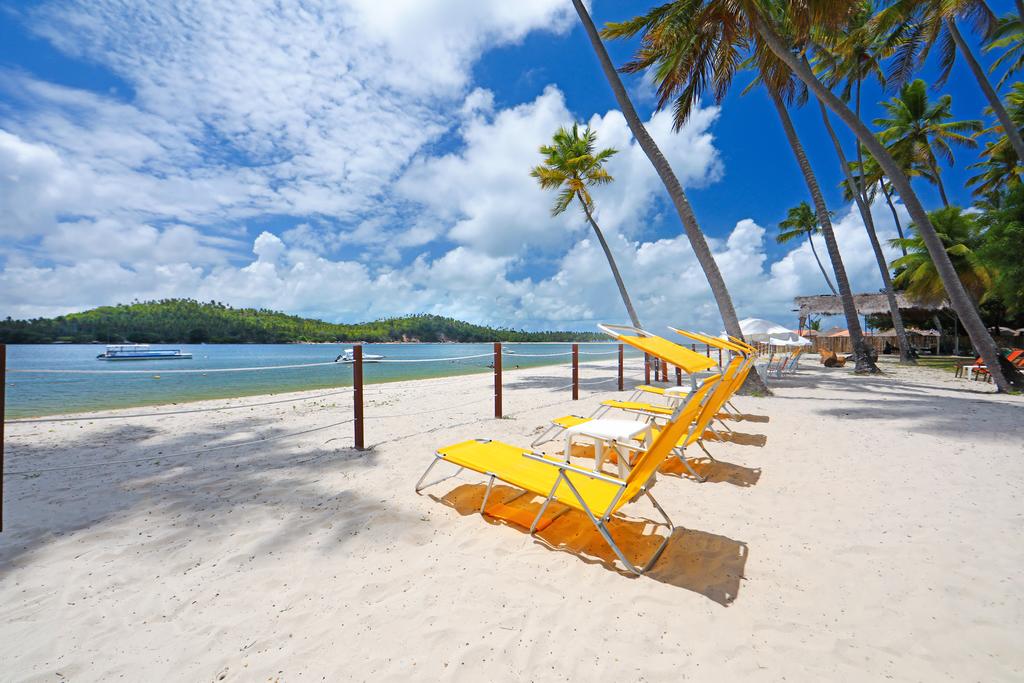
column 698, row 561
column 215, row 492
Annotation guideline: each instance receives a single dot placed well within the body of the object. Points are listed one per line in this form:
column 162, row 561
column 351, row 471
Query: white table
column 613, row 433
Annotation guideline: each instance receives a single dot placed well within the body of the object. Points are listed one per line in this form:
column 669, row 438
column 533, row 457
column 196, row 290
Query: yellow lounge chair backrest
column 713, row 341
column 717, row 399
column 670, row 435
column 654, row 345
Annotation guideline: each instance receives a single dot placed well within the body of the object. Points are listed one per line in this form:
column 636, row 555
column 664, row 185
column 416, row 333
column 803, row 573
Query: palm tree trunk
column 615, row 269
column 1012, row 132
column 895, row 216
column 869, row 224
column 810, row 239
column 675, row 190
column 863, row 360
column 1005, row 379
column 938, row 184
column 1020, row 9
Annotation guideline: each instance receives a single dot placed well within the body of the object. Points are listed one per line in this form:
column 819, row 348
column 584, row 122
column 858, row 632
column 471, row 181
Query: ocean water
column 61, row 390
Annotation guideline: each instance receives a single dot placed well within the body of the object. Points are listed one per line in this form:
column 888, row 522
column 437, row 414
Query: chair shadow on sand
column 743, row 417
column 698, row 561
column 713, row 471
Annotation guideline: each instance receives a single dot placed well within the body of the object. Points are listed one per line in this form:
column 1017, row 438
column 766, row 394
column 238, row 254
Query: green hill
column 188, row 321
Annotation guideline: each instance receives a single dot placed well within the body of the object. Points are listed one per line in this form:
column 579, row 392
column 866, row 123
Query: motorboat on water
column 141, row 352
column 348, row 356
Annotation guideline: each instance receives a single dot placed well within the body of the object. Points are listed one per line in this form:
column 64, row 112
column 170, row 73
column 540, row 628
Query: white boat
column 141, row 352
column 348, row 356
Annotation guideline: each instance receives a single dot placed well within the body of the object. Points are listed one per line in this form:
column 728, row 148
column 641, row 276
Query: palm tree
column 690, row 51
column 916, row 129
column 920, row 24
column 867, row 175
column 1009, row 34
column 571, row 166
column 802, row 221
column 672, row 185
column 830, row 15
column 1000, row 165
column 848, row 59
column 962, row 238
column 869, row 224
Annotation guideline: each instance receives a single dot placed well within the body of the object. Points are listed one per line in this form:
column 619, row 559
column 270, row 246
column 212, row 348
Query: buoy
column 156, row 376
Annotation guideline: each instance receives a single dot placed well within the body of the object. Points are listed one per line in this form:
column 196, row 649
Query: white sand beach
column 860, row 528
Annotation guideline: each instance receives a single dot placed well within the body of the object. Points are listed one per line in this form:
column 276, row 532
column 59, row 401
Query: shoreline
column 144, row 387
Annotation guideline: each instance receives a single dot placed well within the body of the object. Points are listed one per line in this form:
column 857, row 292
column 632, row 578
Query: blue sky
column 350, row 161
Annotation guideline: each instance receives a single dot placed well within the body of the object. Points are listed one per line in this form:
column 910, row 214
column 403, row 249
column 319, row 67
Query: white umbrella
column 759, row 330
column 799, row 341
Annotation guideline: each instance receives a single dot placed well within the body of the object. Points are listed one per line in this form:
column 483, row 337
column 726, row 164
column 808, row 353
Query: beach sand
column 856, row 529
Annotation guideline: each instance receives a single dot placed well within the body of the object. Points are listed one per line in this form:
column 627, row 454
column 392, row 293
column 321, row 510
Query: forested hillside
column 189, row 321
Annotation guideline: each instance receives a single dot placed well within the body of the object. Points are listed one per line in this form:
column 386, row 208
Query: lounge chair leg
column 420, row 485
column 681, row 454
column 547, row 501
column 700, row 443
column 487, row 494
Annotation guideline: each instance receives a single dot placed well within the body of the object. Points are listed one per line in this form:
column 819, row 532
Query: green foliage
column 189, row 321
column 571, row 166
column 916, row 130
column 1003, row 248
column 962, row 238
column 801, row 220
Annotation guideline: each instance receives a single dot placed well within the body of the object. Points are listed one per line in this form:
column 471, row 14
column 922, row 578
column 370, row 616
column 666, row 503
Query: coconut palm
column 675, row 190
column 690, row 49
column 802, row 221
column 961, row 237
column 1009, row 37
column 919, row 24
column 916, row 129
column 846, row 59
column 571, row 166
column 999, row 164
column 867, row 174
column 753, row 21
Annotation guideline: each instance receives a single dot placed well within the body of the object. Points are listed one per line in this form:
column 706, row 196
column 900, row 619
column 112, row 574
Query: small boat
column 141, row 352
column 348, row 356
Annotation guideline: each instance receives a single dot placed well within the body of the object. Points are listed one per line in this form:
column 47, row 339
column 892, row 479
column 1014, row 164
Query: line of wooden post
column 497, row 379
column 357, row 393
column 357, row 389
column 575, row 372
column 621, row 378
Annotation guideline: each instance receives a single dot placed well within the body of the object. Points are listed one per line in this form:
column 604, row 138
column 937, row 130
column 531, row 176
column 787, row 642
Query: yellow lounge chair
column 723, row 390
column 596, row 494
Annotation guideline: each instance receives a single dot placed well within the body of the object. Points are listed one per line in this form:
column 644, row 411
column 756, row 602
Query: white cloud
column 486, row 192
column 327, row 114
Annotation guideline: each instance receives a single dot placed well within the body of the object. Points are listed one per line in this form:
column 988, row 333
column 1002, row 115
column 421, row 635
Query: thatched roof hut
column 867, row 304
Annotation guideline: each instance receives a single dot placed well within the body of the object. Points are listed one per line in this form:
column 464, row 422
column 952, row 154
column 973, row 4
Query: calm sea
column 33, row 394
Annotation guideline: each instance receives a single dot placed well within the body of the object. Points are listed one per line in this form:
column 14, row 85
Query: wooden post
column 664, row 371
column 357, row 393
column 719, row 356
column 707, row 350
column 575, row 372
column 497, row 379
column 621, row 377
column 3, row 389
column 679, row 376
column 647, row 369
